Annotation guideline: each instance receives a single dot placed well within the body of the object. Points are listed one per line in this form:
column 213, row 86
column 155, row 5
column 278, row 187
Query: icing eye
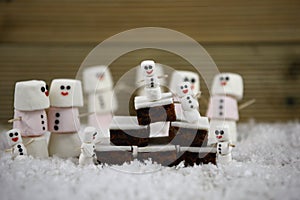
column 227, row 78
column 146, row 68
column 221, row 78
column 11, row 135
column 185, row 79
column 150, row 67
column 62, row 87
column 43, row 89
column 186, row 86
column 16, row 133
column 181, row 87
column 221, row 132
column 193, row 80
column 68, row 87
column 217, row 132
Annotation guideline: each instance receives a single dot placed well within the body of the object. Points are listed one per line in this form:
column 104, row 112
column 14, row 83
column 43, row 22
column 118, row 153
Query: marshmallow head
column 97, row 78
column 183, row 89
column 159, row 71
column 13, row 137
column 89, row 134
column 148, row 67
column 66, row 93
column 189, row 103
column 31, row 95
column 185, row 76
column 222, row 133
column 228, row 84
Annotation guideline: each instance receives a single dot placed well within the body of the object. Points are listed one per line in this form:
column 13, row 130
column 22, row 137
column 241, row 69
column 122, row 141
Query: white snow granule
column 266, row 166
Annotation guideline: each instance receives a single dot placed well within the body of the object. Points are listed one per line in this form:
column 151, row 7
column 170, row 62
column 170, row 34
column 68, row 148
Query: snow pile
column 266, row 166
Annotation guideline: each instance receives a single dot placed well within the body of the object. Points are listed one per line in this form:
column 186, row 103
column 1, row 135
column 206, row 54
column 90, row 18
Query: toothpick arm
column 15, row 119
column 246, row 104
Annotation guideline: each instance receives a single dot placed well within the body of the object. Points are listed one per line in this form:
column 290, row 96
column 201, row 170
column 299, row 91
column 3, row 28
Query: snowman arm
column 29, row 142
column 246, row 104
column 198, row 95
column 140, row 81
column 163, row 76
column 8, row 150
column 85, row 114
column 231, row 145
column 15, row 119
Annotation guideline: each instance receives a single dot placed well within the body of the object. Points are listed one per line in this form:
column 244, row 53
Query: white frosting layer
column 104, row 148
column 156, row 148
column 201, row 124
column 159, row 129
column 198, row 149
column 143, row 101
column 125, row 123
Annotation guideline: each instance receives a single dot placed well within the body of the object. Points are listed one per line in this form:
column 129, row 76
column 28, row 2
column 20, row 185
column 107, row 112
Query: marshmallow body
column 224, row 159
column 185, row 76
column 222, row 134
column 102, row 102
column 191, row 116
column 31, row 95
column 87, row 155
column 37, row 146
column 96, row 79
column 19, row 150
column 66, row 93
column 223, row 107
column 153, row 93
column 188, row 103
column 32, row 123
column 151, row 81
column 63, row 120
column 228, row 84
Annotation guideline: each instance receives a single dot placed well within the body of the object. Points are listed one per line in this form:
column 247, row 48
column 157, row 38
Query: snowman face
column 183, row 89
column 66, row 93
column 97, row 78
column 189, row 103
column 31, row 95
column 90, row 134
column 228, row 84
column 13, row 137
column 148, row 67
column 185, row 76
column 221, row 134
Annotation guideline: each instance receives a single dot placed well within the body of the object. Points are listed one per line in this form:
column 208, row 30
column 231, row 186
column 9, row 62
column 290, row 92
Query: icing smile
column 47, row 93
column 219, row 137
column 223, row 83
column 149, row 72
column 64, row 93
column 185, row 91
column 15, row 139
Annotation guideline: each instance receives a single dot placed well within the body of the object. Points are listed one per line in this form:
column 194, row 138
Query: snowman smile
column 15, row 139
column 185, row 91
column 64, row 93
column 47, row 93
column 223, row 83
column 219, row 137
column 149, row 72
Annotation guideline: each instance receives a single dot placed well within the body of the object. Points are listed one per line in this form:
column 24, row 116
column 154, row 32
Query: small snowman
column 152, row 86
column 87, row 155
column 224, row 145
column 15, row 142
column 189, row 103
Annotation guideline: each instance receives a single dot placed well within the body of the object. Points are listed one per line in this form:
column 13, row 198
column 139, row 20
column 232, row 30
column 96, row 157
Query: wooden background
column 49, row 39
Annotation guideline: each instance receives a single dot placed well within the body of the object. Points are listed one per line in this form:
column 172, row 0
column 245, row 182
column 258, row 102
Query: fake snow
column 266, row 166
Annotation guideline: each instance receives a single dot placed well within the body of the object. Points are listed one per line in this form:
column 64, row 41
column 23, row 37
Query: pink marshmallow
column 63, row 120
column 223, row 107
column 32, row 123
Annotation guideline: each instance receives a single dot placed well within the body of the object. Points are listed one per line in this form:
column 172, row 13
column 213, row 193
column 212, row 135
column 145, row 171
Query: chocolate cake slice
column 114, row 155
column 154, row 111
column 125, row 131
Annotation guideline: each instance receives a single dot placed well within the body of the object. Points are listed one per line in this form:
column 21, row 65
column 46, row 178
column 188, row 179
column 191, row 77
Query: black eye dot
column 185, row 79
column 11, row 135
column 16, row 133
column 68, row 87
column 193, row 80
column 43, row 89
column 62, row 87
column 150, row 67
column 221, row 132
column 216, row 132
column 221, row 78
column 186, row 86
column 47, row 87
column 146, row 68
column 227, row 78
column 181, row 87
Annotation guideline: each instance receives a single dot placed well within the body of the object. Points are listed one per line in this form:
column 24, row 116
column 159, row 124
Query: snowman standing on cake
column 227, row 90
column 30, row 101
column 15, row 142
column 64, row 124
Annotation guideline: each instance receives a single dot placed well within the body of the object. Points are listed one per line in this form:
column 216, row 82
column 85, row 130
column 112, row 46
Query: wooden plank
column 205, row 21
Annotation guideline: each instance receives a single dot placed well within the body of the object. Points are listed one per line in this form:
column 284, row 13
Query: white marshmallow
column 224, row 159
column 185, row 76
column 66, row 93
column 153, row 94
column 184, row 88
column 103, row 102
column 37, row 146
column 97, row 78
column 191, row 116
column 89, row 134
column 19, row 150
column 13, row 137
column 31, row 95
column 87, row 155
column 148, row 68
column 228, row 84
column 189, row 103
column 222, row 133
column 158, row 71
column 217, row 124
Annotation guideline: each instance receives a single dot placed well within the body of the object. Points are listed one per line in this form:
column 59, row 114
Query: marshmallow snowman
column 14, row 140
column 224, row 146
column 65, row 98
column 184, row 88
column 227, row 90
column 152, row 88
column 185, row 76
column 87, row 155
column 190, row 109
